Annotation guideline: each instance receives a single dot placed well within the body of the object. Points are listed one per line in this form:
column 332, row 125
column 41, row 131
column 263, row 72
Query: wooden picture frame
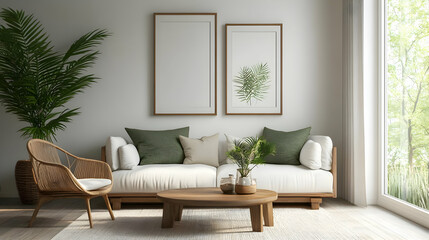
column 254, row 69
column 185, row 63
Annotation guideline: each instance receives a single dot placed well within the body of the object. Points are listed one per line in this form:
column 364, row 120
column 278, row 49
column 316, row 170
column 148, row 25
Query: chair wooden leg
column 106, row 200
column 88, row 209
column 41, row 201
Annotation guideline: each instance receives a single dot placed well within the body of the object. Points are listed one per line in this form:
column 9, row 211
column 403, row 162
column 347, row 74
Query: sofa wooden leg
column 315, row 203
column 116, row 203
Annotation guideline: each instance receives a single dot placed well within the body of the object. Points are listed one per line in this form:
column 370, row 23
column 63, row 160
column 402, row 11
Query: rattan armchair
column 56, row 180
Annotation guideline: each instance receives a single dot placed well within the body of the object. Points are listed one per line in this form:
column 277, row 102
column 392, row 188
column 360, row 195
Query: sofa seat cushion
column 152, row 178
column 285, row 178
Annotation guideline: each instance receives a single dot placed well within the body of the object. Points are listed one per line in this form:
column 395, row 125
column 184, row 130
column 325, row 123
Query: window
column 406, row 154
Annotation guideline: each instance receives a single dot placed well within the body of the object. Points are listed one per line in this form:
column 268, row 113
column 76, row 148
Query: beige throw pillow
column 230, row 145
column 201, row 151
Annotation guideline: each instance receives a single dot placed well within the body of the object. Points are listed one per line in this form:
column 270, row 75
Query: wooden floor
column 57, row 215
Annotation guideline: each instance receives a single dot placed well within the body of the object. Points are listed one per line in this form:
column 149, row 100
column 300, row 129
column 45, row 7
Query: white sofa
column 293, row 183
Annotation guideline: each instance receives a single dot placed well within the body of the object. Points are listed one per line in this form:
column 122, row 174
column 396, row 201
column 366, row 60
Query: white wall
column 123, row 97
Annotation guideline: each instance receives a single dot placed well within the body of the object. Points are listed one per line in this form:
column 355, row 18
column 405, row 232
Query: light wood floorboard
column 56, row 215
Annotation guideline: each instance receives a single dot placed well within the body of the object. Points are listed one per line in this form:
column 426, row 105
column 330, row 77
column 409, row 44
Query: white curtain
column 360, row 101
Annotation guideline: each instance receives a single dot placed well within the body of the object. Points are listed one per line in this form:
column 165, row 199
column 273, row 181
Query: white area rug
column 289, row 223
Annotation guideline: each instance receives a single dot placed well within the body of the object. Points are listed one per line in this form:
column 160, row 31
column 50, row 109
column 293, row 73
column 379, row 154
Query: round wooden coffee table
column 260, row 204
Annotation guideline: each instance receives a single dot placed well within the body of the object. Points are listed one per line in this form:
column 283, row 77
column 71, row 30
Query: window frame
column 391, row 203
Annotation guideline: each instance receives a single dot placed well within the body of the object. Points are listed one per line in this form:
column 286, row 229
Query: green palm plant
column 35, row 81
column 252, row 82
column 249, row 152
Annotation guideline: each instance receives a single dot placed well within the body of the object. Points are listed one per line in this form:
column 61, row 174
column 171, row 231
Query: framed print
column 185, row 63
column 254, row 69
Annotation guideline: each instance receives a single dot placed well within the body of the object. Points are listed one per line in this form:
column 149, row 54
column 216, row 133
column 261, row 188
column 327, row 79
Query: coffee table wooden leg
column 268, row 214
column 256, row 213
column 179, row 210
column 168, row 215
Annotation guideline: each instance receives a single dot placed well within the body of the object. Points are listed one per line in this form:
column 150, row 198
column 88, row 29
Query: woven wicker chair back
column 44, row 151
column 52, row 176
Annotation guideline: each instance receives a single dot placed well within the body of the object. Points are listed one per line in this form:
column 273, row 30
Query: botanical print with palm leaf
column 252, row 83
column 36, row 81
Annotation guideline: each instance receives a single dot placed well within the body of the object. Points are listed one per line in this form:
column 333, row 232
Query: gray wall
column 312, row 72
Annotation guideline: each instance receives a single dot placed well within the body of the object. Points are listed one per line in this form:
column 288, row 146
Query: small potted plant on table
column 247, row 154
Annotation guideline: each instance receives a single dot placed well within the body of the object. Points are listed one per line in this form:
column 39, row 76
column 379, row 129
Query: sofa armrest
column 103, row 153
column 334, row 171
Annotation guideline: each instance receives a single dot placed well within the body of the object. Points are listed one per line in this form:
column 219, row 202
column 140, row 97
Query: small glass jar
column 227, row 184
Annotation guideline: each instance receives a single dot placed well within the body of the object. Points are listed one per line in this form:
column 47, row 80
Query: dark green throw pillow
column 288, row 145
column 159, row 147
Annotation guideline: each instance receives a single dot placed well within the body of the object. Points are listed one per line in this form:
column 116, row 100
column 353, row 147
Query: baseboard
column 9, row 195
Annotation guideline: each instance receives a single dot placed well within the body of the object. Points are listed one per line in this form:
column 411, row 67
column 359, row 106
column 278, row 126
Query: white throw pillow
column 128, row 157
column 112, row 155
column 201, row 151
column 230, row 145
column 327, row 145
column 311, row 155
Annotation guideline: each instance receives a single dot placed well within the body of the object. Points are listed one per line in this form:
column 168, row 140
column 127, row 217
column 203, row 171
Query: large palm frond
column 36, row 81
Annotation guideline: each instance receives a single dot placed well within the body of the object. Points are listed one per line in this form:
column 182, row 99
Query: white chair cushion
column 311, row 155
column 128, row 157
column 112, row 155
column 327, row 145
column 154, row 178
column 285, row 178
column 93, row 183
